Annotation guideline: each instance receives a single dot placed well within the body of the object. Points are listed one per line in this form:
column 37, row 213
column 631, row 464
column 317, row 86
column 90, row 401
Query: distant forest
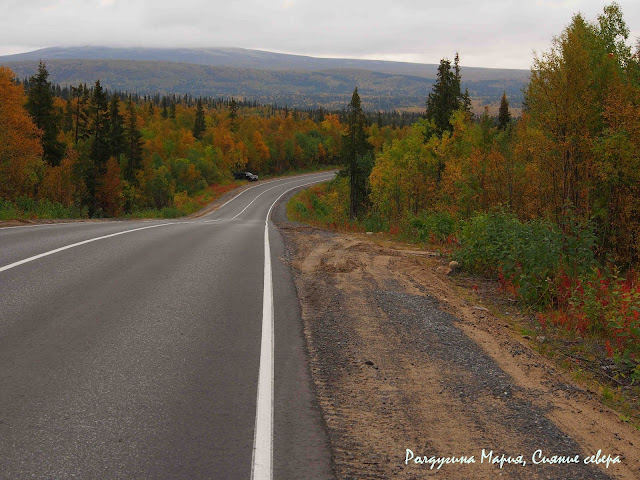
column 328, row 89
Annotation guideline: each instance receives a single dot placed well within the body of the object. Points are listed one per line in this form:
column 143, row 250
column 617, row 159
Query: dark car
column 245, row 176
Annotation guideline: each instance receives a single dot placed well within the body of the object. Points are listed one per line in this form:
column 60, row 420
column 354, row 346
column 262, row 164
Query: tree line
column 112, row 153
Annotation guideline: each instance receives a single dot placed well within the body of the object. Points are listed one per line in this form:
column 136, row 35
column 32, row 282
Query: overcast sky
column 496, row 33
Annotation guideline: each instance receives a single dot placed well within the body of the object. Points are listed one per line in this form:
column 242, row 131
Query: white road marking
column 67, row 247
column 259, row 195
column 254, row 186
column 85, row 222
column 262, row 459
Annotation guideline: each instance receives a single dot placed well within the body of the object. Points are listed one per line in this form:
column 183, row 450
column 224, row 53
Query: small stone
column 369, row 233
column 528, row 337
column 368, row 362
column 541, row 338
column 454, row 266
column 443, row 270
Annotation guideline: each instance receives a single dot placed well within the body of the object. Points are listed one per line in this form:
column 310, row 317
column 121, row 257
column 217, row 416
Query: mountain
column 296, row 80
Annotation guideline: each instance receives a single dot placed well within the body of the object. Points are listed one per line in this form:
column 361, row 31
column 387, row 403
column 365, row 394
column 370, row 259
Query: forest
column 85, row 152
column 547, row 203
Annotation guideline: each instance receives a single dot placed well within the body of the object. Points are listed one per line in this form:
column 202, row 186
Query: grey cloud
column 498, row 32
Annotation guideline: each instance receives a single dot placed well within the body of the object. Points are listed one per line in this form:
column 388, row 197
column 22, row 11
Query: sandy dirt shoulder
column 401, row 361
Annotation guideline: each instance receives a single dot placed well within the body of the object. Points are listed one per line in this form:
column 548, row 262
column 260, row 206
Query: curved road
column 160, row 349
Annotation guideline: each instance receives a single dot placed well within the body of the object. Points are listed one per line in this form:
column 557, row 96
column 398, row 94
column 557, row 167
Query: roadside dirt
column 401, row 361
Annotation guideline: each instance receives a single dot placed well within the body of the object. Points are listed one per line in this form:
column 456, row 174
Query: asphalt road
column 138, row 355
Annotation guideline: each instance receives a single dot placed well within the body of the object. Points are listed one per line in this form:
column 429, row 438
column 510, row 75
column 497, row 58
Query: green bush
column 25, row 207
column 170, row 212
column 430, row 226
column 527, row 256
column 374, row 222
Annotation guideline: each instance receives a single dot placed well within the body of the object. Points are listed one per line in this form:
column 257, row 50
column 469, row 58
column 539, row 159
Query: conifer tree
column 164, row 112
column 133, row 148
column 200, row 126
column 172, row 110
column 99, row 151
column 81, row 113
column 116, row 128
column 67, row 123
column 233, row 113
column 466, row 101
column 504, row 117
column 357, row 156
column 99, row 117
column 40, row 107
column 445, row 97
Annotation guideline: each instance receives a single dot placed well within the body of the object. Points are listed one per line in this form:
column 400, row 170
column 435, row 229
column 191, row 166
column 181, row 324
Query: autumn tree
column 566, row 97
column 40, row 107
column 20, row 147
column 109, row 191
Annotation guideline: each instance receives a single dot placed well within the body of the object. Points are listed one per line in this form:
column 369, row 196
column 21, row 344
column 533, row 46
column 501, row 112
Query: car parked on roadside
column 245, row 176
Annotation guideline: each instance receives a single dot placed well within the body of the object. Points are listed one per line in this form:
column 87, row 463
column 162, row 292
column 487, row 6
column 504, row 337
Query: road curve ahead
column 156, row 350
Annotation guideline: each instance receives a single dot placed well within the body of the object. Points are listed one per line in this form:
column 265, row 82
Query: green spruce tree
column 357, row 154
column 40, row 107
column 99, row 129
column 133, row 148
column 233, row 114
column 445, row 97
column 99, row 151
column 165, row 112
column 116, row 128
column 504, row 117
column 200, row 126
column 81, row 113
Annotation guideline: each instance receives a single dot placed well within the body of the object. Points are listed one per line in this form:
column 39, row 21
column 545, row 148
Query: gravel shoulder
column 400, row 360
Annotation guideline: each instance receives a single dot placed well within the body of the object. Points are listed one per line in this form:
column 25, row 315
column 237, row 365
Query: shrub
column 527, row 257
column 431, row 226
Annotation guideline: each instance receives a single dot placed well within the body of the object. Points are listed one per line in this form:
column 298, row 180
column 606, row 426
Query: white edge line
column 262, row 457
column 67, row 247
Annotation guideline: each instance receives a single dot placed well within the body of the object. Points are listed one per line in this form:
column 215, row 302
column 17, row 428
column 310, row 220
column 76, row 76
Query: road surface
column 144, row 350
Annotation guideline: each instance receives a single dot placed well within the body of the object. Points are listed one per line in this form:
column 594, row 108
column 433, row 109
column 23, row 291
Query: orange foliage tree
column 21, row 164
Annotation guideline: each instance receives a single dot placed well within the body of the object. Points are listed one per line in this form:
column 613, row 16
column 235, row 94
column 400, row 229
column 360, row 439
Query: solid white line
column 67, row 247
column 262, row 467
column 51, row 252
column 259, row 195
column 262, row 459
